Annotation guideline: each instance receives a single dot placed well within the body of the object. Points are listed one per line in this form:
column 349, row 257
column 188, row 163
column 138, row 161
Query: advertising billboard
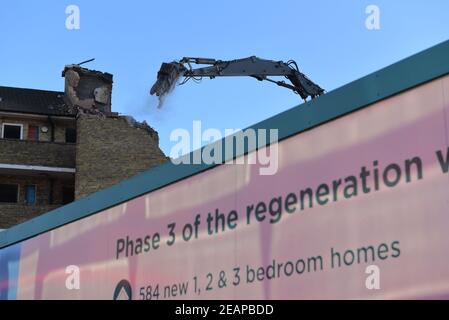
column 365, row 194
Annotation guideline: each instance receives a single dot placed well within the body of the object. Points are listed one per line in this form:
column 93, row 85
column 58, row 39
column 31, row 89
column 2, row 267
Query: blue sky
column 130, row 39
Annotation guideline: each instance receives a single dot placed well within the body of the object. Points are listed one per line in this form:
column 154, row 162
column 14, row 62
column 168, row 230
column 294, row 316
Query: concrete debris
column 87, row 89
column 89, row 92
column 141, row 125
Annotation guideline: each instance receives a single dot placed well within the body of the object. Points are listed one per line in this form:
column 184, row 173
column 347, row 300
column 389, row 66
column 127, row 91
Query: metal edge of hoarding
column 396, row 78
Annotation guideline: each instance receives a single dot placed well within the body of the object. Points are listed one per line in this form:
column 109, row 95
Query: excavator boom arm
column 251, row 66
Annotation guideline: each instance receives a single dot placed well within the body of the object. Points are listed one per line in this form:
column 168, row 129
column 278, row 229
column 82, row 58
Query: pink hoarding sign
column 358, row 208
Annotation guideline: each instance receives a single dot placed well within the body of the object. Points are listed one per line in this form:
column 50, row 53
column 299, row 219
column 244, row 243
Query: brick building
column 59, row 146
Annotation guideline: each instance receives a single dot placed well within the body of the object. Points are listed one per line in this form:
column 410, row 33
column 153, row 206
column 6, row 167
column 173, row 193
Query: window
column 33, row 133
column 70, row 135
column 12, row 131
column 9, row 193
column 30, row 194
column 68, row 194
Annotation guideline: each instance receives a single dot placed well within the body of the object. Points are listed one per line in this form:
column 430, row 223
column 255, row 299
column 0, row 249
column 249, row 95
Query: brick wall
column 11, row 214
column 109, row 150
column 37, row 153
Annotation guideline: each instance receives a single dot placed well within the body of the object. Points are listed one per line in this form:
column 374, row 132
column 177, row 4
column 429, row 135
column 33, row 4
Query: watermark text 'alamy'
column 228, row 149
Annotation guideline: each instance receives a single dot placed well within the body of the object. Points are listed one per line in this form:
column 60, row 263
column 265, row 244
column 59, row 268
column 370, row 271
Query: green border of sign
column 403, row 75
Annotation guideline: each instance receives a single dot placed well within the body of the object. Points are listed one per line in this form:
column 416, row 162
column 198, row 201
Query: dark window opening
column 68, row 194
column 33, row 133
column 11, row 131
column 9, row 193
column 70, row 135
column 50, row 193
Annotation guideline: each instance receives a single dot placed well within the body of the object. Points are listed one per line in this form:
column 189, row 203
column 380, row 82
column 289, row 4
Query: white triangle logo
column 122, row 294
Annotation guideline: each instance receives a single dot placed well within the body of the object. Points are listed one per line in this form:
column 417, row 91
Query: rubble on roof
column 90, row 92
column 141, row 125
